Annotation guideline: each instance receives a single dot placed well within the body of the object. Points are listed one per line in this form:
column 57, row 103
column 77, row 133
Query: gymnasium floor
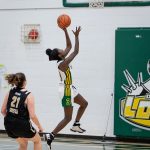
column 74, row 144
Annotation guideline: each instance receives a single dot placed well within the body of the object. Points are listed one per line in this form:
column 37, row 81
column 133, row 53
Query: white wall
column 93, row 67
column 17, row 4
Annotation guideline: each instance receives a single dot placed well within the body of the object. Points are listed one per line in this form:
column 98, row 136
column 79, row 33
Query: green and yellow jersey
column 66, row 81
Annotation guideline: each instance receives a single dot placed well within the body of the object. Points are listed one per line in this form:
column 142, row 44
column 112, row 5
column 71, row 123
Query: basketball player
column 67, row 91
column 18, row 109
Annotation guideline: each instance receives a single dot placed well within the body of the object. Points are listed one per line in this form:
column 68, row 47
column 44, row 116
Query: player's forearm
column 76, row 48
column 36, row 121
column 68, row 44
column 68, row 41
column 3, row 113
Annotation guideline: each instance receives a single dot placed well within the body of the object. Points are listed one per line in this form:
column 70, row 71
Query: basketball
column 33, row 34
column 63, row 21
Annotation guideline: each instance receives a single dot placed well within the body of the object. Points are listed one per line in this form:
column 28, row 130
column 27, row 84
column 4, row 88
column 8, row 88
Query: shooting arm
column 68, row 43
column 64, row 65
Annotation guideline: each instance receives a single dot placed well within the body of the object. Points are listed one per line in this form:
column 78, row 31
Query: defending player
column 18, row 109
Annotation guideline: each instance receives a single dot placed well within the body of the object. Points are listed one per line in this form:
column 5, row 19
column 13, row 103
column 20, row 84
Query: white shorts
column 73, row 94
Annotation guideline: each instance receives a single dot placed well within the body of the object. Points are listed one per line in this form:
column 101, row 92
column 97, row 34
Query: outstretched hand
column 65, row 29
column 76, row 32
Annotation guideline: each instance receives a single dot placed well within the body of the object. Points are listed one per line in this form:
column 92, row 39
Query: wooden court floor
column 77, row 144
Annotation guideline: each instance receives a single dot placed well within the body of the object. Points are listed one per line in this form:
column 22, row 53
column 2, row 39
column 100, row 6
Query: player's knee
column 85, row 104
column 37, row 142
column 68, row 118
column 23, row 146
column 37, row 138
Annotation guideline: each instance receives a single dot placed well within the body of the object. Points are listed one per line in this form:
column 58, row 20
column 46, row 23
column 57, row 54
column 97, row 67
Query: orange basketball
column 63, row 21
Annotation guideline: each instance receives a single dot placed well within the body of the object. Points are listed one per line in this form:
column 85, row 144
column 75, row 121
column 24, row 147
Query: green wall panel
column 132, row 82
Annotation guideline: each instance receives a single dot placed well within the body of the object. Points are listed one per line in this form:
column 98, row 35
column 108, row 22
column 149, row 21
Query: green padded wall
column 132, row 82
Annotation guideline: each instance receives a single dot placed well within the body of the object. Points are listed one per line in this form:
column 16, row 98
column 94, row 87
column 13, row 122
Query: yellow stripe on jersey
column 67, row 91
column 67, row 77
column 68, row 80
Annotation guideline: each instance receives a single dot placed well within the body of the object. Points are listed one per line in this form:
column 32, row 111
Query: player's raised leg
column 83, row 105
